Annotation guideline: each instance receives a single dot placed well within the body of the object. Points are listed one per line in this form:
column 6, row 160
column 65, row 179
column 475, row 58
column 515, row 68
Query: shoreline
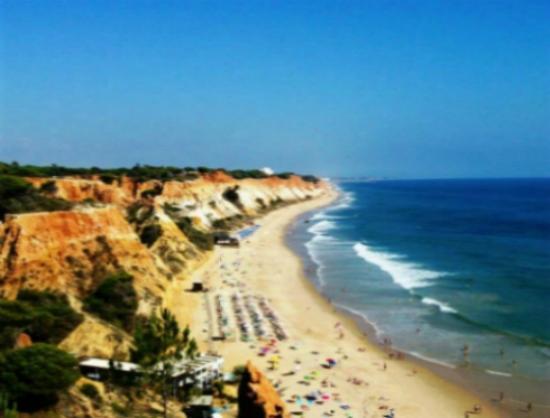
column 303, row 308
column 480, row 382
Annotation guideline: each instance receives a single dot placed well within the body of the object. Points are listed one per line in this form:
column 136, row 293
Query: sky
column 399, row 89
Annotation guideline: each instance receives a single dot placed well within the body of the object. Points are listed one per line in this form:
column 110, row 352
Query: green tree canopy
column 115, row 300
column 159, row 343
column 46, row 317
column 34, row 376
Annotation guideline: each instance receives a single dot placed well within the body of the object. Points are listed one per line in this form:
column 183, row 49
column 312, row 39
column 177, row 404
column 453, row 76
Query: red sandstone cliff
column 258, row 398
column 72, row 251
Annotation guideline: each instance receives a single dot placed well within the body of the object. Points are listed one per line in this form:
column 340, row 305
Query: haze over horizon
column 385, row 89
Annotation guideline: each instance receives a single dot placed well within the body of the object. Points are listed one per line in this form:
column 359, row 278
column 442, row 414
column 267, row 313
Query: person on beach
column 501, row 396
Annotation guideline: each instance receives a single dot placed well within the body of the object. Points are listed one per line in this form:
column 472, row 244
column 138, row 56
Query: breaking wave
column 405, row 274
column 443, row 307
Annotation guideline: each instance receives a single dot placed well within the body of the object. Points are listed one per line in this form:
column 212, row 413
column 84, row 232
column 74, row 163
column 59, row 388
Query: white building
column 267, row 171
column 201, row 371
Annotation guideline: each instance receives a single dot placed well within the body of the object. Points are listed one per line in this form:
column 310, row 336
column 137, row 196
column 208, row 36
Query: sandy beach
column 363, row 381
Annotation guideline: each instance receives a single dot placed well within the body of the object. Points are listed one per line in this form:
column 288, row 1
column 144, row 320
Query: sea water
column 437, row 265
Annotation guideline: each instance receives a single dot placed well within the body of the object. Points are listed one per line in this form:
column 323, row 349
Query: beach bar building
column 101, row 369
column 199, row 372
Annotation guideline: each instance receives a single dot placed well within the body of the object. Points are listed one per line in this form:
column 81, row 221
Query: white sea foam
column 405, row 274
column 432, row 360
column 319, row 239
column 319, row 216
column 443, row 307
column 362, row 315
column 496, row 373
column 345, row 202
column 321, row 227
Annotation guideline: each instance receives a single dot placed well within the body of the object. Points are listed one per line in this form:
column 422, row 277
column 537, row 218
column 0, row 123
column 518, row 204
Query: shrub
column 48, row 187
column 285, row 176
column 311, row 179
column 11, row 186
column 231, row 194
column 121, row 410
column 246, row 174
column 8, row 409
column 149, row 193
column 150, row 234
column 34, row 376
column 201, row 240
column 107, row 178
column 139, row 212
column 114, row 300
column 229, row 223
column 261, row 202
column 90, row 391
column 46, row 317
column 18, row 196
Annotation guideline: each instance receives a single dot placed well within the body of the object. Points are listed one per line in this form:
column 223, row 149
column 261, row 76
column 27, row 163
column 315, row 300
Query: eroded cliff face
column 73, row 251
column 257, row 396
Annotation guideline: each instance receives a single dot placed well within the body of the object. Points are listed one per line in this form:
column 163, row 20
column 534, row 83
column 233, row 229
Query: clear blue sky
column 400, row 89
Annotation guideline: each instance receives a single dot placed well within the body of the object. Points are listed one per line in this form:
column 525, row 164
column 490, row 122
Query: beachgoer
column 385, row 366
column 529, row 407
column 501, row 396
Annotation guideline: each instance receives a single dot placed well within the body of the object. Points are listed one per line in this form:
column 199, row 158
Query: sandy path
column 265, row 266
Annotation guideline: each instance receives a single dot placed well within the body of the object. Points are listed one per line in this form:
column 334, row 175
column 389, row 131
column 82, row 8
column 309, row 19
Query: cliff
column 258, row 398
column 132, row 226
column 71, row 251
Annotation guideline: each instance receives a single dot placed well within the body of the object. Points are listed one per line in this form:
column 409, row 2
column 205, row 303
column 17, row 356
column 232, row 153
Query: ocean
column 437, row 265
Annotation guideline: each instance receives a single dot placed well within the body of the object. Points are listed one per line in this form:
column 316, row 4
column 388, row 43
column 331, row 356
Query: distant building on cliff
column 267, row 171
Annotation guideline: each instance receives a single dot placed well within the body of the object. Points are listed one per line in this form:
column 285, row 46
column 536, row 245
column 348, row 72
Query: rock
column 23, row 340
column 258, row 398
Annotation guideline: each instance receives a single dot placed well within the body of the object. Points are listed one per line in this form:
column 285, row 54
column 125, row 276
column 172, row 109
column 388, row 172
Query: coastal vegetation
column 19, row 196
column 150, row 234
column 8, row 409
column 137, row 172
column 114, row 300
column 158, row 342
column 231, row 194
column 202, row 240
column 89, row 245
column 33, row 377
column 229, row 223
column 44, row 316
column 90, row 391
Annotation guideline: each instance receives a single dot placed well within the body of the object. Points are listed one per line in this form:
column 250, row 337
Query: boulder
column 257, row 396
